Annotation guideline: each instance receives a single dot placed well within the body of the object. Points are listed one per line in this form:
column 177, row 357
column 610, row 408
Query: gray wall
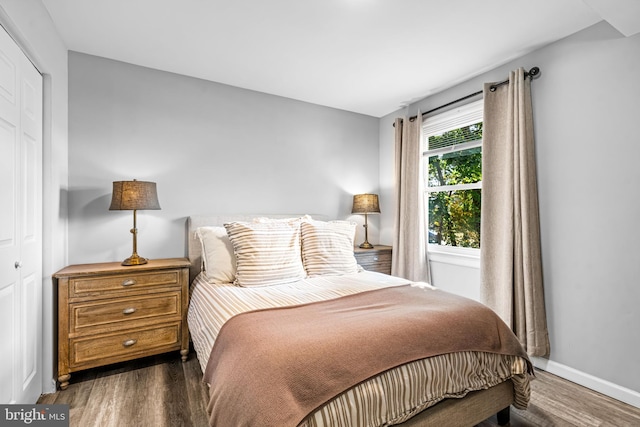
column 210, row 148
column 586, row 110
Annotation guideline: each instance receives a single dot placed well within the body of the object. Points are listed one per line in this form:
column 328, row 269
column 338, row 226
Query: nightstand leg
column 64, row 381
column 184, row 354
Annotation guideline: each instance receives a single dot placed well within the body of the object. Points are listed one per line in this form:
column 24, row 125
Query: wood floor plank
column 161, row 391
column 144, row 403
column 197, row 392
column 557, row 402
column 177, row 414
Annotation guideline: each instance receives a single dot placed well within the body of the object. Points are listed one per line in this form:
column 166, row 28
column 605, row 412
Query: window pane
column 454, row 218
column 459, row 167
column 456, row 136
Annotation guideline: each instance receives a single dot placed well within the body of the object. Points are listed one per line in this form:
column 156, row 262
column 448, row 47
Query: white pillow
column 217, row 254
column 267, row 253
column 327, row 247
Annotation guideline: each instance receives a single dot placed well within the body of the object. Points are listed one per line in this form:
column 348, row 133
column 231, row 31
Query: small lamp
column 365, row 204
column 134, row 195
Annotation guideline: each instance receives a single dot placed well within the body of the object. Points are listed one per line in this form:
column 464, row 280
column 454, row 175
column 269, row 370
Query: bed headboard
column 203, row 220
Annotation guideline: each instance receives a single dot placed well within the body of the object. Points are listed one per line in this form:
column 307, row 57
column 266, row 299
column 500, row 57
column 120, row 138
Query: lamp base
column 135, row 260
column 366, row 245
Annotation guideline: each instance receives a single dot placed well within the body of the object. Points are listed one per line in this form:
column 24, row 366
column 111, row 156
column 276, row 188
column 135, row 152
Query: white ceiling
column 366, row 56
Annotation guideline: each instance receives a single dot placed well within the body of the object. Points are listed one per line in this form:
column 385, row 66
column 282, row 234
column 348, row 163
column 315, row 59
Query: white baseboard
column 49, row 386
column 605, row 387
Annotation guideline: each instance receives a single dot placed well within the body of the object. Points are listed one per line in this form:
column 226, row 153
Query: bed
column 458, row 388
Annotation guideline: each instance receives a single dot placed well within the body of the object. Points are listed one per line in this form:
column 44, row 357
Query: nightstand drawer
column 369, row 259
column 376, row 259
column 113, row 313
column 95, row 350
column 101, row 285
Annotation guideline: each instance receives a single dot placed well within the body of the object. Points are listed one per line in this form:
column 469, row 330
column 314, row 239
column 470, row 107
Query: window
column 452, row 156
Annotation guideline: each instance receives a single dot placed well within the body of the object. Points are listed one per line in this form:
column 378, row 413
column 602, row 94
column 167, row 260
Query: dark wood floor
column 161, row 391
column 157, row 391
column 558, row 402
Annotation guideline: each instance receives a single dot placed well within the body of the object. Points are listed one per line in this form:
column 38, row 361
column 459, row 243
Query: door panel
column 8, row 148
column 8, row 302
column 30, row 322
column 8, row 78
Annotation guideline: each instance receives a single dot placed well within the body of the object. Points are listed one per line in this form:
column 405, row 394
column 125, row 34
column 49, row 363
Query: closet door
column 20, row 225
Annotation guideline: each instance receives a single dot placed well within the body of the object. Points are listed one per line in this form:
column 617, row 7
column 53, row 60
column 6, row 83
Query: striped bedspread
column 390, row 398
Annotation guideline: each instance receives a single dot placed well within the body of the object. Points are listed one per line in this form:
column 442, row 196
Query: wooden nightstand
column 376, row 259
column 110, row 313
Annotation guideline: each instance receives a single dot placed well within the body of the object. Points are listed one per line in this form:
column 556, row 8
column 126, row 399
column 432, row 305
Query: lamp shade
column 365, row 204
column 134, row 195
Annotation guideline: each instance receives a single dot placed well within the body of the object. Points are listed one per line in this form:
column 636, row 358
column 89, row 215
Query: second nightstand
column 108, row 313
column 376, row 259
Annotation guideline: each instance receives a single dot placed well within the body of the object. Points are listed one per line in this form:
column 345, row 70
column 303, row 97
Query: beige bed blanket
column 274, row 367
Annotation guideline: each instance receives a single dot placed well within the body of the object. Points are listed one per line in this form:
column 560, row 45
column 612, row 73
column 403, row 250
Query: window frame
column 451, row 119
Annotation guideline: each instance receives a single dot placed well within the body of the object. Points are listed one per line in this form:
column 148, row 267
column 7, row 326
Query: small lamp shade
column 365, row 204
column 133, row 196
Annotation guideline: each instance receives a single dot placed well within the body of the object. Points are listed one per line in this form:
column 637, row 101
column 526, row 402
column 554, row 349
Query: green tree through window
column 454, row 176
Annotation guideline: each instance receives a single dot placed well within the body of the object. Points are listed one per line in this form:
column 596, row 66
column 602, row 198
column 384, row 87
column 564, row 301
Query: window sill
column 463, row 257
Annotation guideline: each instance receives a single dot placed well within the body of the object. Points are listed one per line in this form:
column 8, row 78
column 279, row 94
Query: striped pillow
column 266, row 253
column 327, row 247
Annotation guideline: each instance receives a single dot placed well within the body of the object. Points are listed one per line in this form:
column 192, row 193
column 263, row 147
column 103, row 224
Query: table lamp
column 365, row 204
column 134, row 195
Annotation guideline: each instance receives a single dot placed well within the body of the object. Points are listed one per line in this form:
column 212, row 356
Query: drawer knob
column 129, row 282
column 129, row 310
column 375, row 258
column 129, row 343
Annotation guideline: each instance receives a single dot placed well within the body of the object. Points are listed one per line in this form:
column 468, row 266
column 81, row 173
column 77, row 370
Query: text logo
column 34, row 415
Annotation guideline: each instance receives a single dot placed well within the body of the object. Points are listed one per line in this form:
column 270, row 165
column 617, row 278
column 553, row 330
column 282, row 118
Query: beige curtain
column 511, row 263
column 409, row 256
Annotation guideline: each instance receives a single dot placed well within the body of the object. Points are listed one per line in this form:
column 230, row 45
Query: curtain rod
column 531, row 74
